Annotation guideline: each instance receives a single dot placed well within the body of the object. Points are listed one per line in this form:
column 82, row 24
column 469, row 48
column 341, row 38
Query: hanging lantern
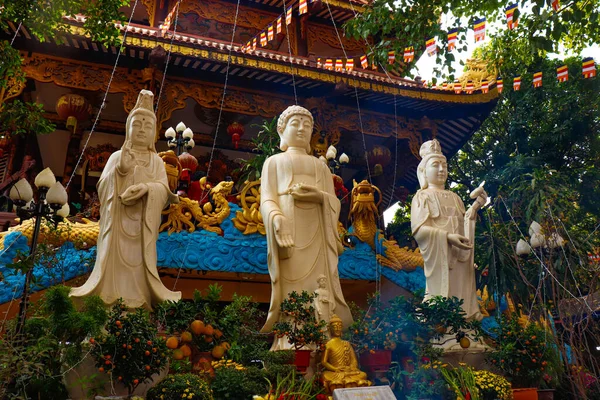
column 379, row 155
column 74, row 109
column 188, row 162
column 235, row 130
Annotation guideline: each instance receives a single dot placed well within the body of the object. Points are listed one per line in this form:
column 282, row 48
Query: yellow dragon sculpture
column 82, row 234
column 188, row 214
column 363, row 212
column 85, row 234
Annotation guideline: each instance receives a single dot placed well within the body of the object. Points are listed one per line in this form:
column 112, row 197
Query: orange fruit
column 177, row 354
column 197, row 327
column 218, row 333
column 186, row 337
column 208, row 339
column 209, row 330
column 172, row 342
column 218, row 351
column 186, row 350
column 101, row 369
column 465, row 343
column 147, row 353
column 136, row 381
column 226, row 345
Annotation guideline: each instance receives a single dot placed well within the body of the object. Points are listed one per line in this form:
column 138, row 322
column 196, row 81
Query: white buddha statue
column 300, row 211
column 133, row 190
column 445, row 232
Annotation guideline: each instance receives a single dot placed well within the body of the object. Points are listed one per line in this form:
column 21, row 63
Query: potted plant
column 492, row 386
column 181, row 386
column 130, row 352
column 524, row 354
column 300, row 326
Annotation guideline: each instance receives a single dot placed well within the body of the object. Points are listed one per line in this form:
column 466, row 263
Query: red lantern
column 235, row 130
column 73, row 108
column 379, row 155
column 188, row 162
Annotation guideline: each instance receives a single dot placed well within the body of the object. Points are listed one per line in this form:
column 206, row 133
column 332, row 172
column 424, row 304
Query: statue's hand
column 133, row 193
column 307, row 193
column 283, row 231
column 126, row 162
column 459, row 241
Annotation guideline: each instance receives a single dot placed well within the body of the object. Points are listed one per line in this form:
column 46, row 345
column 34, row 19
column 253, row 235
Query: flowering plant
column 524, row 353
column 181, row 386
column 492, row 386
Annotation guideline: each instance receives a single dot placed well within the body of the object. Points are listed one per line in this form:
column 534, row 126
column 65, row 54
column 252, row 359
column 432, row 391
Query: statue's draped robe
column 341, row 354
column 126, row 250
column 314, row 230
column 449, row 271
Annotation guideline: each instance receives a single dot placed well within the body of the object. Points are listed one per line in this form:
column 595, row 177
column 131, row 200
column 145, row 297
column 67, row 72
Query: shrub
column 181, row 386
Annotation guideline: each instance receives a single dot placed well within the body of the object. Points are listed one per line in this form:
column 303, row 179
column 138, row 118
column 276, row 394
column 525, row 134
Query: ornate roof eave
column 268, row 60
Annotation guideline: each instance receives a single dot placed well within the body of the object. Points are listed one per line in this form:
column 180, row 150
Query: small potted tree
column 525, row 354
column 301, row 327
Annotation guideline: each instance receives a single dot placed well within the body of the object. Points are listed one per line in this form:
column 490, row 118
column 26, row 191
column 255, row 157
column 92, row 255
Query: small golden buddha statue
column 339, row 361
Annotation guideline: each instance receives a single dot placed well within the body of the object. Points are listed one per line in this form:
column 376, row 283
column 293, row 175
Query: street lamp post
column 330, row 158
column 51, row 204
column 181, row 138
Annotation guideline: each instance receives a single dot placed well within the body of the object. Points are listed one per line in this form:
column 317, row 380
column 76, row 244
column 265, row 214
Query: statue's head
column 295, row 126
column 140, row 128
column 335, row 326
column 322, row 281
column 433, row 167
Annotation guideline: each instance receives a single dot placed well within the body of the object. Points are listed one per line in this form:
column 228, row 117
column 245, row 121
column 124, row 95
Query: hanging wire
column 214, row 143
column 287, row 34
column 162, row 82
column 16, row 33
column 539, row 259
column 377, row 241
column 105, row 96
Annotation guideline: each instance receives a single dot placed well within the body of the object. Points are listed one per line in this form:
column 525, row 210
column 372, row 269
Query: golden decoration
column 188, row 213
column 318, row 33
column 486, row 303
column 477, row 71
column 363, row 211
column 347, row 5
column 83, row 235
column 84, row 75
column 151, row 9
column 172, row 166
column 247, row 17
column 14, row 87
column 249, row 220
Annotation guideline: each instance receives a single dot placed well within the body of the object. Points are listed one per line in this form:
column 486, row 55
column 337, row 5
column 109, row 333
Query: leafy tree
column 44, row 20
column 394, row 25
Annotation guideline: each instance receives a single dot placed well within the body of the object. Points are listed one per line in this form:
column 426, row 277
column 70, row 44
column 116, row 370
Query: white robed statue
column 300, row 211
column 444, row 232
column 133, row 190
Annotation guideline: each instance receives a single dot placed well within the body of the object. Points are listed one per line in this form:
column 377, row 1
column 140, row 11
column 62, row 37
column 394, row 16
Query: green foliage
column 20, row 118
column 180, row 386
column 411, row 324
column 300, row 324
column 10, row 68
column 43, row 21
column 399, row 24
column 31, row 365
column 400, row 228
column 266, row 144
column 174, row 316
column 525, row 355
column 234, row 383
column 294, row 386
column 462, row 382
column 130, row 351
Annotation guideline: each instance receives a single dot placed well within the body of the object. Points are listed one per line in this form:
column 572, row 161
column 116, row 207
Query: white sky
column 425, row 65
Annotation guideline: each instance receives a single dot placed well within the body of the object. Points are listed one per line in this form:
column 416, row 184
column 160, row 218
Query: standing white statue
column 445, row 232
column 133, row 190
column 300, row 212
